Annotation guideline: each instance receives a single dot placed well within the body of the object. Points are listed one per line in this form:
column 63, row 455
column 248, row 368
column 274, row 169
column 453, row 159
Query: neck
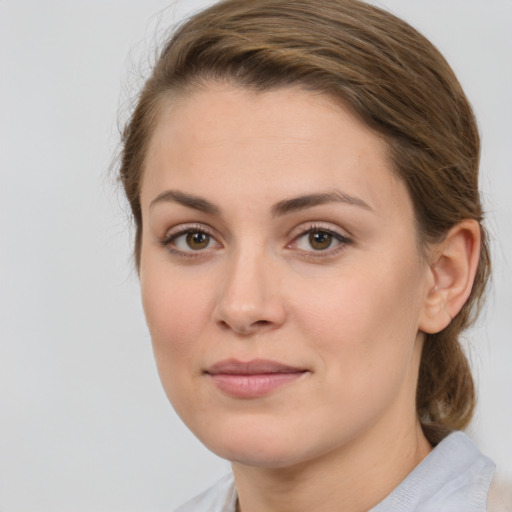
column 353, row 478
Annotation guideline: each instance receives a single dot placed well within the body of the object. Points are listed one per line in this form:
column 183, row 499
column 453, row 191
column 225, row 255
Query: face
column 280, row 274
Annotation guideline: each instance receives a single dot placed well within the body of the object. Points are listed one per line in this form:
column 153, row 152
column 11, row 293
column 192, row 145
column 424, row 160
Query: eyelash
column 343, row 241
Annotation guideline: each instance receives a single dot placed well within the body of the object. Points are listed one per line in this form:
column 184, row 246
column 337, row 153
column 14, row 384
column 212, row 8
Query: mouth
column 252, row 379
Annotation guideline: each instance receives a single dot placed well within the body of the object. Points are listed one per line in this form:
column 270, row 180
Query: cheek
column 175, row 313
column 364, row 334
column 366, row 317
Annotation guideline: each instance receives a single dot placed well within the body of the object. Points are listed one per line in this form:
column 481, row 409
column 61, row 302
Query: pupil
column 320, row 240
column 197, row 240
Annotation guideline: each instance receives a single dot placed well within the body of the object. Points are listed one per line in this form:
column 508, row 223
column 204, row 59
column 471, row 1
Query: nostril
column 261, row 322
column 224, row 324
column 247, row 329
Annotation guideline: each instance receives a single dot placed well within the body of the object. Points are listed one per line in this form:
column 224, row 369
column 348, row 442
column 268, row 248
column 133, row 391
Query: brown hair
column 394, row 80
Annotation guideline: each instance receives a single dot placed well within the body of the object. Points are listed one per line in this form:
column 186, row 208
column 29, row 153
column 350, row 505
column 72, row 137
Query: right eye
column 190, row 241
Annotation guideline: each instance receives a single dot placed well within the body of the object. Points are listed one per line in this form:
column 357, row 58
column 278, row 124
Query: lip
column 252, row 379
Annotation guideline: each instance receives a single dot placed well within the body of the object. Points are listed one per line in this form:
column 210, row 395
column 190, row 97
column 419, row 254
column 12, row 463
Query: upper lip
column 253, row 367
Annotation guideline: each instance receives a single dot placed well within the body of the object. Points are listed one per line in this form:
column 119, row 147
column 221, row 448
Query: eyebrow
column 279, row 209
column 188, row 200
column 308, row 201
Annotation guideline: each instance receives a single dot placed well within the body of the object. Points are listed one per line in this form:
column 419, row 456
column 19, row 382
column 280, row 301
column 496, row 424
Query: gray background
column 84, row 423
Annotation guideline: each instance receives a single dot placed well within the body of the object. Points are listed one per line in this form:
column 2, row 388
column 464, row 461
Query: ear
column 452, row 269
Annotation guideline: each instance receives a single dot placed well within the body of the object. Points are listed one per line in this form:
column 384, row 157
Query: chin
column 260, row 456
column 248, row 443
column 260, row 445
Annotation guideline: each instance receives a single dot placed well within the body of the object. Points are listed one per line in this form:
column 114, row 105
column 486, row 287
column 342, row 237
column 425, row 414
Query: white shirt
column 454, row 477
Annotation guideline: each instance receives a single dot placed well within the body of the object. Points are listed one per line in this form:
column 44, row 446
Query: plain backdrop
column 84, row 423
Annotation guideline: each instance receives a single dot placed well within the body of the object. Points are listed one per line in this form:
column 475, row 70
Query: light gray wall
column 84, row 424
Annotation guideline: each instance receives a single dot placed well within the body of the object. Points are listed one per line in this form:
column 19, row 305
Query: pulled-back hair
column 394, row 80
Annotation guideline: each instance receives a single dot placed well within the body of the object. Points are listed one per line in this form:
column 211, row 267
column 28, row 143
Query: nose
column 250, row 298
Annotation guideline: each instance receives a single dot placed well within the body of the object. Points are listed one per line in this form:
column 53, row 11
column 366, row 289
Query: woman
column 304, row 182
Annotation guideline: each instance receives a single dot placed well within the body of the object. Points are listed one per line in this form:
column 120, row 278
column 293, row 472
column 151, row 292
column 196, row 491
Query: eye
column 188, row 241
column 317, row 239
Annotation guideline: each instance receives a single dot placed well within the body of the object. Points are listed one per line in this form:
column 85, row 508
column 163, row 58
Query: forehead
column 231, row 139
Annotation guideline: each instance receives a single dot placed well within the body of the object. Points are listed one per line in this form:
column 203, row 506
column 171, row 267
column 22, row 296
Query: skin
column 345, row 433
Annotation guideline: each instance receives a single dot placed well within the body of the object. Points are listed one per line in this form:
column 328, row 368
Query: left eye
column 318, row 240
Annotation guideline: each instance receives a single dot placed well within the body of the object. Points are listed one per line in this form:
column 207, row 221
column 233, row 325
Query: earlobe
column 452, row 270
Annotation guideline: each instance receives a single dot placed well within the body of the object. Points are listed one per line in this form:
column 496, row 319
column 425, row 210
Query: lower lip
column 254, row 385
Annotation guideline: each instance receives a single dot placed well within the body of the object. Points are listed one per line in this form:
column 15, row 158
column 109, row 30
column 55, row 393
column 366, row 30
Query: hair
column 394, row 80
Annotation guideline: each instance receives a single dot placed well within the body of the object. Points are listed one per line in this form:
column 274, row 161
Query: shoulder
column 221, row 497
column 455, row 476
